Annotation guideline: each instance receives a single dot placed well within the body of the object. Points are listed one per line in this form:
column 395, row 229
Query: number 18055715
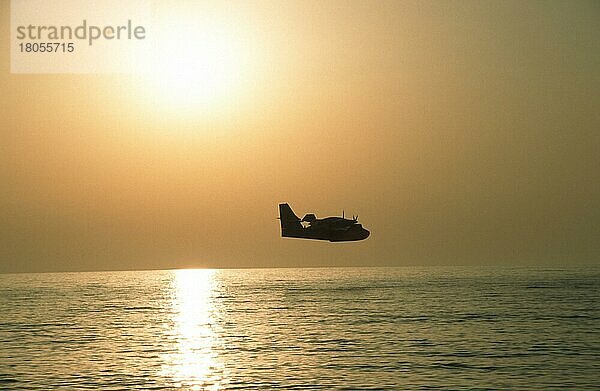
column 47, row 47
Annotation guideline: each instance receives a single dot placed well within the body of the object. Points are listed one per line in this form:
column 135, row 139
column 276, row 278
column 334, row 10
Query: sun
column 196, row 64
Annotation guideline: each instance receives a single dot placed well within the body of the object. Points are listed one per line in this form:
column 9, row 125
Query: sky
column 462, row 133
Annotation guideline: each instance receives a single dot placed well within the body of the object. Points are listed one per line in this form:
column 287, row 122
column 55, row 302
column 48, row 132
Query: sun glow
column 196, row 64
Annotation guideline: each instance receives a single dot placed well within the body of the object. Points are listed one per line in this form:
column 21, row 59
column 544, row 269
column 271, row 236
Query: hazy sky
column 461, row 132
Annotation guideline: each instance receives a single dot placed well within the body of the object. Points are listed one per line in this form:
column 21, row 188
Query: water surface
column 337, row 328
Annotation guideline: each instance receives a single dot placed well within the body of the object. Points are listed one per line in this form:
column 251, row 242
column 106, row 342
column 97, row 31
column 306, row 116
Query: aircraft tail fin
column 289, row 220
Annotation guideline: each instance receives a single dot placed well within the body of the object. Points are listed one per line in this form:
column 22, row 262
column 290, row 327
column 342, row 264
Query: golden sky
column 462, row 132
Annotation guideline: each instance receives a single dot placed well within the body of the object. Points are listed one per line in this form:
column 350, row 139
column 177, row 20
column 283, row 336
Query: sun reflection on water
column 194, row 362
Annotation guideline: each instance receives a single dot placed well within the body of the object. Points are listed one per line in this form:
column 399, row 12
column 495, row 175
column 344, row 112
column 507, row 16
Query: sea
column 405, row 328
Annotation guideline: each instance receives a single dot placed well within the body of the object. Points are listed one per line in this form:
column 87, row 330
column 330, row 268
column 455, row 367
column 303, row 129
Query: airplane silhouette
column 334, row 229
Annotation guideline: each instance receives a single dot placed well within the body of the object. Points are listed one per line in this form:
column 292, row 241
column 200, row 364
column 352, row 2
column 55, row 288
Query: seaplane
column 334, row 229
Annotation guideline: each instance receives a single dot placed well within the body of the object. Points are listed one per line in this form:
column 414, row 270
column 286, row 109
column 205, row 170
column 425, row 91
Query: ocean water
column 330, row 329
